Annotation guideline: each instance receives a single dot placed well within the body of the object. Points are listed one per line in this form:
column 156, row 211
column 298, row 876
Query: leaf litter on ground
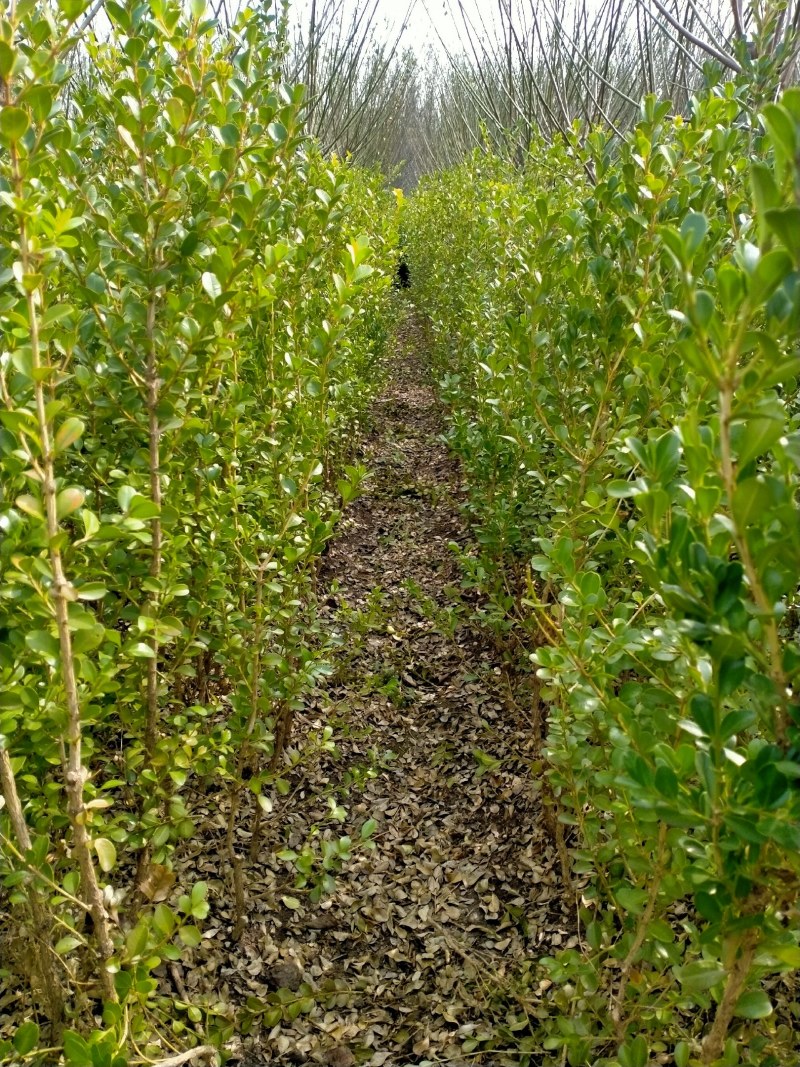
column 401, row 963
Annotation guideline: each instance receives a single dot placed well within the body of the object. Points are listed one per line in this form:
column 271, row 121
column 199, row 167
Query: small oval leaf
column 106, row 853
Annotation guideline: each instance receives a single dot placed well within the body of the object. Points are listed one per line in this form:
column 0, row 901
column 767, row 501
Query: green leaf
column 693, row 229
column 126, row 137
column 201, row 909
column 176, row 112
column 26, row 1038
column 199, row 906
column 631, row 899
column 736, row 721
column 634, row 1053
column 8, row 56
column 73, row 9
column 785, row 224
column 701, row 975
column 91, row 524
column 190, row 936
column 210, row 283
column 76, row 1051
column 682, row 1054
column 751, row 501
column 161, row 836
column 163, row 920
column 666, row 782
column 68, row 433
column 67, row 944
column 14, row 123
column 141, row 650
column 781, row 127
column 31, row 505
column 22, row 360
column 106, row 853
column 619, row 490
column 92, row 591
column 140, row 507
column 69, row 500
column 43, row 642
column 731, row 674
column 730, row 288
column 753, row 1005
column 291, row 902
column 788, row 954
column 772, row 269
column 229, row 134
column 123, row 983
column 765, row 190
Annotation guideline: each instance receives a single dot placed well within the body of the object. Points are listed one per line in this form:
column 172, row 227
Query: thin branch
column 704, row 46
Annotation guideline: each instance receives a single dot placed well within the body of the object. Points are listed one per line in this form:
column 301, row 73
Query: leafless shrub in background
column 537, row 66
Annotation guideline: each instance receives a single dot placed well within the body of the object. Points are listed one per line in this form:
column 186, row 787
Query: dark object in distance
column 402, row 276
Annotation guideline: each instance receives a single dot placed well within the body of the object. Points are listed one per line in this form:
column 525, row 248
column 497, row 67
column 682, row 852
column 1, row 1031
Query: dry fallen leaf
column 157, row 883
column 340, row 1056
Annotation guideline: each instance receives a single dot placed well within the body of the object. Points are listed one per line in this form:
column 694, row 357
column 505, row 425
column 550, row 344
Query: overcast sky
column 430, row 23
column 430, row 19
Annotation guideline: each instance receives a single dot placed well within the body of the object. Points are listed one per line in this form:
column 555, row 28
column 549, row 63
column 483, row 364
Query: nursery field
column 398, row 593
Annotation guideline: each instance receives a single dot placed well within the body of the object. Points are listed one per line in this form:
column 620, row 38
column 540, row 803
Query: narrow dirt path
column 423, row 942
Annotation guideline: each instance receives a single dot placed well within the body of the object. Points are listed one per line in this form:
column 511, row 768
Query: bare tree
column 360, row 82
column 535, row 67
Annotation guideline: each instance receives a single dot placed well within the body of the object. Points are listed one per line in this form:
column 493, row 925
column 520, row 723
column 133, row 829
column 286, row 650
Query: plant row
column 616, row 328
column 193, row 304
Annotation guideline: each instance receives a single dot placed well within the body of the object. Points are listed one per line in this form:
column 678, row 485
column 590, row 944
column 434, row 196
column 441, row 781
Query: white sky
column 429, row 21
column 429, row 18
